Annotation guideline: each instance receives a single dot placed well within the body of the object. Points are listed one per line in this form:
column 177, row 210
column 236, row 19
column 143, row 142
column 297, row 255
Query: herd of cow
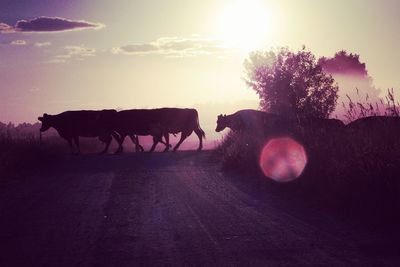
column 106, row 124
column 159, row 123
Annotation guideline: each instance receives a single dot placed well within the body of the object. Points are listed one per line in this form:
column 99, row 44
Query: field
column 353, row 173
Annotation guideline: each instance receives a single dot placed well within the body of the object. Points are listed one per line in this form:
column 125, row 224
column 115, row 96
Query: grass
column 351, row 180
column 348, row 172
column 239, row 152
column 361, row 108
column 18, row 156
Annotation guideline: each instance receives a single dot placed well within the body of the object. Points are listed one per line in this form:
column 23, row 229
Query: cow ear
column 40, row 118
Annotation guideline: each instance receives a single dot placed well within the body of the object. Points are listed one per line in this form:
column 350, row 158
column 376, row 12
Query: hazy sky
column 82, row 54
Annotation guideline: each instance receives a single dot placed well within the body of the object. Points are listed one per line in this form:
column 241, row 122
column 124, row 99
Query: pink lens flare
column 283, row 159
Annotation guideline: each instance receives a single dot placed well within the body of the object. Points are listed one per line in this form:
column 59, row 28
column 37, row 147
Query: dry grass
column 347, row 171
column 361, row 107
column 20, row 155
column 240, row 151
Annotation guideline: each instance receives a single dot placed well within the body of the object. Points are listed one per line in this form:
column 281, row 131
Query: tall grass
column 351, row 172
column 24, row 153
column 240, row 151
column 361, row 107
column 19, row 155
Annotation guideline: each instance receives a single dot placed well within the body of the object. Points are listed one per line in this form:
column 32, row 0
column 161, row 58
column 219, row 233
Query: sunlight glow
column 246, row 24
column 283, row 159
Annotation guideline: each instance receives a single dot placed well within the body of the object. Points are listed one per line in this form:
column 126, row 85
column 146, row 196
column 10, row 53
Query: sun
column 246, row 24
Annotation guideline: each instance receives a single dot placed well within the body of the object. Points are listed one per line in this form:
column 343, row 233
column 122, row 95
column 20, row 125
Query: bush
column 240, row 151
column 342, row 174
column 17, row 156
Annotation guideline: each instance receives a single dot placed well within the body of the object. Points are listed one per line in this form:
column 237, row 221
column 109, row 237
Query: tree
column 352, row 77
column 291, row 83
column 344, row 63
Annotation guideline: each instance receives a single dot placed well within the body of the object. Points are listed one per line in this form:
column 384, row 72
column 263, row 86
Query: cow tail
column 203, row 134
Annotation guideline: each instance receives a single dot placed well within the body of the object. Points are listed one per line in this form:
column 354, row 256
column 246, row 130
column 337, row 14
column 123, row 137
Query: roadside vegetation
column 22, row 151
column 354, row 173
column 19, row 155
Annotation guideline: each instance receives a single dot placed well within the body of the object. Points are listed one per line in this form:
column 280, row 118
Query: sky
column 87, row 54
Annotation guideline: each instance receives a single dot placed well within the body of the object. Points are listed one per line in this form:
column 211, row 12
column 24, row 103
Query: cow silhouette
column 375, row 131
column 265, row 125
column 317, row 126
column 70, row 125
column 254, row 121
column 159, row 123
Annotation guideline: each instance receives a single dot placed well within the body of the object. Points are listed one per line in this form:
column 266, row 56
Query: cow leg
column 116, row 136
column 183, row 137
column 138, row 147
column 141, row 149
column 200, row 135
column 120, row 141
column 167, row 145
column 69, row 140
column 135, row 140
column 107, row 141
column 156, row 139
column 76, row 139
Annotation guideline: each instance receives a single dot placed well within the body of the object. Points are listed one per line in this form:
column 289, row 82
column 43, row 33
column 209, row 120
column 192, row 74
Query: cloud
column 174, row 47
column 18, row 42
column 56, row 61
column 49, row 24
column 34, row 90
column 5, row 28
column 74, row 52
column 41, row 44
column 136, row 48
column 80, row 51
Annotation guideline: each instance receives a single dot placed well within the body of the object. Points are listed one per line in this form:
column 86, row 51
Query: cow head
column 46, row 122
column 222, row 123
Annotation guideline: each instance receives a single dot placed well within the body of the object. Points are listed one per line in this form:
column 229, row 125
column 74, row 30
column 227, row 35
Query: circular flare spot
column 283, row 159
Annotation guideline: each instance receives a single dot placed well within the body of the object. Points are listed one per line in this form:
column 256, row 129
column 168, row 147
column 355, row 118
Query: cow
column 249, row 120
column 158, row 123
column 315, row 125
column 135, row 141
column 263, row 124
column 319, row 135
column 70, row 125
column 380, row 123
column 375, row 131
column 181, row 120
column 136, row 122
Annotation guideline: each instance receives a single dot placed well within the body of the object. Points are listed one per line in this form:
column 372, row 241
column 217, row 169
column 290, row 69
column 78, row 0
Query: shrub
column 19, row 155
column 239, row 151
column 343, row 174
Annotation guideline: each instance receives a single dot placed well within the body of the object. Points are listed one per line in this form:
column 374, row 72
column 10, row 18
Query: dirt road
column 170, row 209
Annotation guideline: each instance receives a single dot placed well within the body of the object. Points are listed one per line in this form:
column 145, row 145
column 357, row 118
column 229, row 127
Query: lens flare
column 283, row 159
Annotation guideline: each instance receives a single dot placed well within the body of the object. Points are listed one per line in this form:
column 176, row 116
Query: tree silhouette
column 344, row 63
column 352, row 77
column 291, row 83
